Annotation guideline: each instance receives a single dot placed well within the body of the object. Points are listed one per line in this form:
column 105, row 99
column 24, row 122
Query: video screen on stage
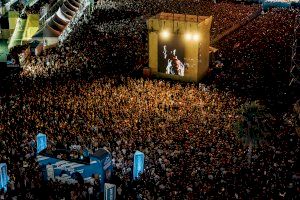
column 171, row 56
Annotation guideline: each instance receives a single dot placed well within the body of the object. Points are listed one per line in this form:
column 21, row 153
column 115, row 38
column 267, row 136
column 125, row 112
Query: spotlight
column 188, row 36
column 165, row 34
column 196, row 37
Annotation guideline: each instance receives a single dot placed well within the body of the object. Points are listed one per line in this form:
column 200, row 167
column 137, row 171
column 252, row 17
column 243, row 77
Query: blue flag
column 41, row 142
column 138, row 164
column 3, row 176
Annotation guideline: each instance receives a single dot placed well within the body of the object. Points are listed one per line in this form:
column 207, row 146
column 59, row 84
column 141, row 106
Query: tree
column 3, row 2
column 254, row 125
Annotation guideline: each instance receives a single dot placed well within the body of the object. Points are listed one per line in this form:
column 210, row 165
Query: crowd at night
column 88, row 91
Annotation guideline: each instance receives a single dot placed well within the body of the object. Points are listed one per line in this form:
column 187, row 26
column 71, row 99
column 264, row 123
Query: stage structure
column 25, row 28
column 58, row 23
column 8, row 25
column 295, row 61
column 60, row 166
column 179, row 46
column 55, row 25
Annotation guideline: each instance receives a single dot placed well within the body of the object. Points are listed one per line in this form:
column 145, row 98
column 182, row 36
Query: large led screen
column 171, row 58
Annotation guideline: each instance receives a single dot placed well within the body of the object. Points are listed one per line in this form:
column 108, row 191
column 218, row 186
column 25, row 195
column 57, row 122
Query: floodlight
column 188, row 36
column 165, row 34
column 196, row 37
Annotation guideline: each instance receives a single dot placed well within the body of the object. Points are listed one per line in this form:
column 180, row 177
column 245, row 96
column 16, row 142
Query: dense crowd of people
column 261, row 52
column 83, row 92
column 126, row 21
column 186, row 133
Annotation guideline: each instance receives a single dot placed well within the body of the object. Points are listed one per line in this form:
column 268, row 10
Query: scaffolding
column 295, row 60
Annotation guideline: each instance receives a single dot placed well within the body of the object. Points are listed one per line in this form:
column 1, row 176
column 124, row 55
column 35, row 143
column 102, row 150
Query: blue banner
column 109, row 191
column 73, row 172
column 138, row 164
column 41, row 142
column 267, row 4
column 3, row 176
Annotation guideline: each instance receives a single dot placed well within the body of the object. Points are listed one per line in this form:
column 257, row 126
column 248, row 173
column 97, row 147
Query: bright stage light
column 188, row 36
column 192, row 37
column 165, row 34
column 196, row 37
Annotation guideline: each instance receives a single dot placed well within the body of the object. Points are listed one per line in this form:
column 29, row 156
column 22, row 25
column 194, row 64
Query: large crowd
column 261, row 54
column 185, row 131
column 84, row 93
column 123, row 22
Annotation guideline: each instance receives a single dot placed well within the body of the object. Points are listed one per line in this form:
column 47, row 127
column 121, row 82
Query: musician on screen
column 174, row 65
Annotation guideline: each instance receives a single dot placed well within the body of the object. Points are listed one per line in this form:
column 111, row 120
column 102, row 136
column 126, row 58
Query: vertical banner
column 3, row 176
column 50, row 172
column 41, row 142
column 109, row 191
column 138, row 164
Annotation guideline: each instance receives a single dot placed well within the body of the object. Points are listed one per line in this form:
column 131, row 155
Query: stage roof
column 180, row 17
